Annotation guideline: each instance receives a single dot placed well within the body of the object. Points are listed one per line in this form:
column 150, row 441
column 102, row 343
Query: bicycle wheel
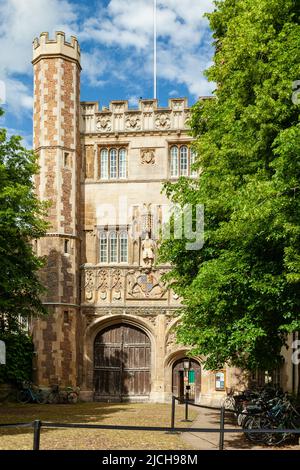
column 229, row 403
column 72, row 397
column 241, row 418
column 53, row 398
column 24, row 396
column 254, row 422
column 40, row 397
column 274, row 439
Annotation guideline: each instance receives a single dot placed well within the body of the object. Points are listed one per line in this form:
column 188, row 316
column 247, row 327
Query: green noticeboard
column 191, row 376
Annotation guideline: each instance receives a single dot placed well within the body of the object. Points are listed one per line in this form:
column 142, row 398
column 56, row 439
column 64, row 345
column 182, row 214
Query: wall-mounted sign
column 191, row 376
column 220, row 380
column 2, row 353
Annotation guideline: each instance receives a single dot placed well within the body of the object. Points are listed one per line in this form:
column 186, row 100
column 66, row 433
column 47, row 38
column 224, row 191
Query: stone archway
column 186, row 376
column 122, row 363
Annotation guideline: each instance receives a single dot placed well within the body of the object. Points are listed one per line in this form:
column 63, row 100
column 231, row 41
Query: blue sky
column 117, row 50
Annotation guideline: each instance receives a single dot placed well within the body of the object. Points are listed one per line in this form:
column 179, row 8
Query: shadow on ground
column 62, row 413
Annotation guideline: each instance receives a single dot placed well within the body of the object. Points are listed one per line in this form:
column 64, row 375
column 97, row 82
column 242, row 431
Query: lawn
column 140, row 414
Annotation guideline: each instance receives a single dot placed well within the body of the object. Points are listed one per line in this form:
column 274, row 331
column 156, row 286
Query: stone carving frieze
column 116, row 285
column 146, row 117
column 89, row 285
column 103, row 124
column 102, row 283
column 133, row 123
column 162, row 121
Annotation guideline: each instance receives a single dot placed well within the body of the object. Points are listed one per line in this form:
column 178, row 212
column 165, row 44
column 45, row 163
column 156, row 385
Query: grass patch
column 133, row 414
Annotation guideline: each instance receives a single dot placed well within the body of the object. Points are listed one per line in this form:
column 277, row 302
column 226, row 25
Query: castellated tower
column 56, row 65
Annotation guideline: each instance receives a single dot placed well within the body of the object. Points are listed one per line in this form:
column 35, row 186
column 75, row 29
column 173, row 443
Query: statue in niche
column 148, row 244
column 148, row 247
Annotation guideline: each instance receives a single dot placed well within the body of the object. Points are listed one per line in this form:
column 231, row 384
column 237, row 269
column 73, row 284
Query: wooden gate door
column 122, row 358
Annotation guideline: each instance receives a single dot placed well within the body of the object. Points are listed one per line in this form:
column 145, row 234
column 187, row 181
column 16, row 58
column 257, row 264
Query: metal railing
column 38, row 425
column 222, row 430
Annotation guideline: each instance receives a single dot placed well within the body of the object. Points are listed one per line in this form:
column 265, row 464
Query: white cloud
column 2, row 92
column 184, row 49
column 21, row 21
column 94, row 66
column 133, row 101
column 19, row 97
column 26, row 138
column 116, row 43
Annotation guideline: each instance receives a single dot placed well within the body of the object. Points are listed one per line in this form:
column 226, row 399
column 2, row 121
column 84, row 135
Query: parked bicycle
column 30, row 394
column 67, row 395
column 278, row 413
column 265, row 408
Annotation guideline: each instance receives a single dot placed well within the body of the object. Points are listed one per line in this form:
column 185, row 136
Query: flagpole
column 154, row 49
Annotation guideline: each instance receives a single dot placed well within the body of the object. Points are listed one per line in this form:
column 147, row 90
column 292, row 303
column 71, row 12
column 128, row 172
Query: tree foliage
column 242, row 290
column 18, row 367
column 21, row 221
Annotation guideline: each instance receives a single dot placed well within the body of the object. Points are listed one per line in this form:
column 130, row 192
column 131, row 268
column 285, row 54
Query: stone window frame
column 120, row 166
column 178, row 157
column 109, row 233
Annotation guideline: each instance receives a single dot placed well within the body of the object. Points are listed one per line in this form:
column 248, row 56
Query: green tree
column 242, row 290
column 21, row 221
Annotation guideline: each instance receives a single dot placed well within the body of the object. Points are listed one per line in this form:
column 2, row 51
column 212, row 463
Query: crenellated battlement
column 43, row 46
column 148, row 116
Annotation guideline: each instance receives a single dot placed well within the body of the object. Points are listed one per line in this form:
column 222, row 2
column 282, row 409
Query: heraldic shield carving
column 145, row 284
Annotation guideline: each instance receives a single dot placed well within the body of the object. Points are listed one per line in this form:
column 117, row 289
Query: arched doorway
column 122, row 361
column 186, row 376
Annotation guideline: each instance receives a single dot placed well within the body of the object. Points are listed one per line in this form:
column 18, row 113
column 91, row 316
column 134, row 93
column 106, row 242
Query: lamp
column 186, row 364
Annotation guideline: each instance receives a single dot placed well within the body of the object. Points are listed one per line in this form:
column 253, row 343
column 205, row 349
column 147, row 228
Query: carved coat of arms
column 148, row 156
column 145, row 285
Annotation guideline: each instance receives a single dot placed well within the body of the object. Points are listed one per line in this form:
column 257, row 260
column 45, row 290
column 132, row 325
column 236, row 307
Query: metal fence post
column 173, row 412
column 186, row 408
column 222, row 425
column 36, row 434
column 171, row 431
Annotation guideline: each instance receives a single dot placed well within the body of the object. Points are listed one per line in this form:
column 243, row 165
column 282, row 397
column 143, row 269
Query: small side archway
column 186, row 377
column 183, row 371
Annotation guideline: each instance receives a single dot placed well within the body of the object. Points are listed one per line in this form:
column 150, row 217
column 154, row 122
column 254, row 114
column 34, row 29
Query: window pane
column 122, row 163
column 174, row 161
column 113, row 258
column 103, row 248
column 104, row 164
column 183, row 161
column 193, row 159
column 113, row 163
column 123, row 247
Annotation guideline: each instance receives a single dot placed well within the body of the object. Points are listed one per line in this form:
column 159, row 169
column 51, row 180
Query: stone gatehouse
column 110, row 328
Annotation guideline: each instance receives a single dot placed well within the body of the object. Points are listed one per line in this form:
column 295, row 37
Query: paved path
column 210, row 441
